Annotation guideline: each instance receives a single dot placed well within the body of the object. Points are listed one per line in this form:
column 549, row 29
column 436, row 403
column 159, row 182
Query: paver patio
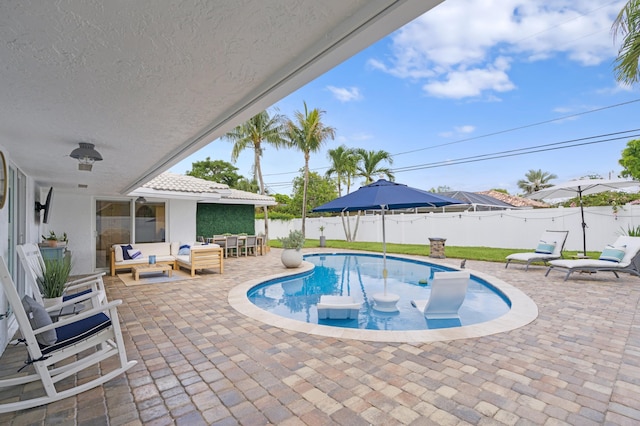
column 202, row 362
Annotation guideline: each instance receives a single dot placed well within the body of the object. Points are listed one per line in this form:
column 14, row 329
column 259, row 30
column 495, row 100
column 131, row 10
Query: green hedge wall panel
column 212, row 219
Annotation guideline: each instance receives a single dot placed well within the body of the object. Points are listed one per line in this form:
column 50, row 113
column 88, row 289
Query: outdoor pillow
column 134, row 253
column 125, row 252
column 546, row 248
column 38, row 317
column 117, row 252
column 612, row 254
column 184, row 249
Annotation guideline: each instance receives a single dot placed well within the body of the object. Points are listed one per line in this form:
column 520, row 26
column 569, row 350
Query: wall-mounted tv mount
column 46, row 206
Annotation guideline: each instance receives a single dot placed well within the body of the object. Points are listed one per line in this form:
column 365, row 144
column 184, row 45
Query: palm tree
column 535, row 181
column 343, row 165
column 308, row 134
column 259, row 129
column 369, row 164
column 627, row 24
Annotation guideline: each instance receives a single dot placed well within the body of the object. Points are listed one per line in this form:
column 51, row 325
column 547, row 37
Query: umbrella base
column 385, row 302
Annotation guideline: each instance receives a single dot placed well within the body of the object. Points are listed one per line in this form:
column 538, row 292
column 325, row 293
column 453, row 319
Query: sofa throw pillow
column 117, row 252
column 125, row 252
column 184, row 249
column 134, row 253
column 38, row 317
column 546, row 247
column 612, row 254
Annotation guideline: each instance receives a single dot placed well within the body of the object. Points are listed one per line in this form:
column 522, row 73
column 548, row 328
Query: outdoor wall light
column 86, row 156
column 141, row 200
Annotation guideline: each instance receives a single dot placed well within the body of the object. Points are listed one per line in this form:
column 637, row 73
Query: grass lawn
column 489, row 254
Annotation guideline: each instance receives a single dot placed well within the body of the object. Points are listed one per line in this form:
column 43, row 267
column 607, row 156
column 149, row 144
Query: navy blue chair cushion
column 74, row 295
column 77, row 331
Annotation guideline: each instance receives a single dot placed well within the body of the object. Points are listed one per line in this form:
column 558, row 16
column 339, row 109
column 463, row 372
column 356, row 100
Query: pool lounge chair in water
column 338, row 307
column 622, row 256
column 549, row 248
column 448, row 291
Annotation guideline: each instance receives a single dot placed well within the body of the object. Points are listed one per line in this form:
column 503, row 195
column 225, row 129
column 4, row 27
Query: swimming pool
column 523, row 311
column 360, row 276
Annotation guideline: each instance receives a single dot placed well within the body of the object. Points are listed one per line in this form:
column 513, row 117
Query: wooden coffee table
column 145, row 269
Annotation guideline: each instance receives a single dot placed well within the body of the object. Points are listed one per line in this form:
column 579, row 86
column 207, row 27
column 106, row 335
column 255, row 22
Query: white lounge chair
column 338, row 307
column 630, row 262
column 549, row 248
column 62, row 349
column 89, row 287
column 448, row 291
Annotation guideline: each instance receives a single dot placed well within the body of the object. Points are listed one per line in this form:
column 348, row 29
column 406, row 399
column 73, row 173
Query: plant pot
column 323, row 241
column 48, row 302
column 291, row 258
column 52, row 243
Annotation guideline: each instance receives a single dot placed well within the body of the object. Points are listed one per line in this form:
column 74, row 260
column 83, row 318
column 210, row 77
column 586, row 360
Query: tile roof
column 168, row 181
column 515, row 200
column 172, row 182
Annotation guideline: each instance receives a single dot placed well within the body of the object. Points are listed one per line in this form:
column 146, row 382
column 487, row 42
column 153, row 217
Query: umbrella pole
column 584, row 225
column 384, row 253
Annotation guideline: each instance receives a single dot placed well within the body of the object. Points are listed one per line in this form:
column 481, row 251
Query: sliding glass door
column 113, row 226
column 124, row 222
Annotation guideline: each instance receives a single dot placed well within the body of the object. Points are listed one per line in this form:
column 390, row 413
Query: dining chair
column 251, row 243
column 232, row 244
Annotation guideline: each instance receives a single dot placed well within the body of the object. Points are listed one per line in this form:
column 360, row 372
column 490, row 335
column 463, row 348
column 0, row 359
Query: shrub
column 295, row 240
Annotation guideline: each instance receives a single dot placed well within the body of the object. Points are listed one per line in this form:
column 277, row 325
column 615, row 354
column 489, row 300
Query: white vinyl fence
column 518, row 229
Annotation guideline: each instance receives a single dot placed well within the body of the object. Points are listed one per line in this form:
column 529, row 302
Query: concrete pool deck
column 203, row 362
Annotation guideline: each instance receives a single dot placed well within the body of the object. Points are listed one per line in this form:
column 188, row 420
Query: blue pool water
column 360, row 276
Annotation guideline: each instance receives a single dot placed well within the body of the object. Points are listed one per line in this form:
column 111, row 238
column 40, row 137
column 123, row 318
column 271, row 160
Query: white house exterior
column 148, row 83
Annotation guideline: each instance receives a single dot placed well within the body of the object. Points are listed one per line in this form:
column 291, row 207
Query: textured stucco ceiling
column 151, row 81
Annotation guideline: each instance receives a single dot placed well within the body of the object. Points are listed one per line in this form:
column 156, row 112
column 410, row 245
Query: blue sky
column 471, row 78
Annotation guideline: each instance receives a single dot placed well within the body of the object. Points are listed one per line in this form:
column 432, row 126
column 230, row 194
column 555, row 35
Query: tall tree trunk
column 355, row 231
column 347, row 234
column 304, row 190
column 258, row 173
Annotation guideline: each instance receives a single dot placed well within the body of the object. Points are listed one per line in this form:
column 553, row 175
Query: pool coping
column 523, row 311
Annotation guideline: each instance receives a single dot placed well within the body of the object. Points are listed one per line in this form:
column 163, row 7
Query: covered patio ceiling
column 152, row 81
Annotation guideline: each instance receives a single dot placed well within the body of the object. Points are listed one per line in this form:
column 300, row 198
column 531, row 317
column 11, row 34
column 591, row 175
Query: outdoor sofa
column 190, row 255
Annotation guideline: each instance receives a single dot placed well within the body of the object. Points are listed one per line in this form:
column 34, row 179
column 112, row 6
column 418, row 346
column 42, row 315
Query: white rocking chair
column 34, row 265
column 71, row 345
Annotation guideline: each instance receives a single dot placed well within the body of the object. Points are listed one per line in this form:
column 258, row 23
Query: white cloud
column 468, row 83
column 345, row 94
column 457, row 42
column 465, row 129
column 458, row 131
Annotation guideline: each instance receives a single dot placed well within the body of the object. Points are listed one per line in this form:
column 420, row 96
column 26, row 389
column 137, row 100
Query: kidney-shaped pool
column 289, row 300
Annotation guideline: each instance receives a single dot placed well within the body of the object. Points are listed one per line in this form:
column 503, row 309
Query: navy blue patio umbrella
column 384, row 195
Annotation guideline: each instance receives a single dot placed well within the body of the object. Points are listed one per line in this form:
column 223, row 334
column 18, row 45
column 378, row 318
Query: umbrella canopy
column 384, row 195
column 579, row 188
column 388, row 196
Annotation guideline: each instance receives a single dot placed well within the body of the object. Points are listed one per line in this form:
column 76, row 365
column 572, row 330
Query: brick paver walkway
column 201, row 362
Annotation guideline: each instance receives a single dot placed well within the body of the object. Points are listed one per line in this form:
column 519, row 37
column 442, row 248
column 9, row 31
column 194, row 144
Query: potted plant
column 53, row 240
column 323, row 242
column 291, row 255
column 55, row 275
